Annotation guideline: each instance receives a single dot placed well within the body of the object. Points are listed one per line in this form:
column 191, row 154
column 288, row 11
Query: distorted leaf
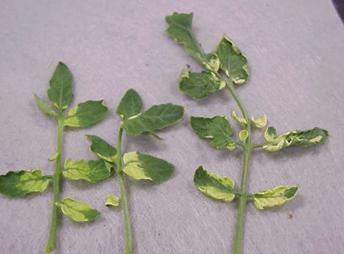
column 112, row 200
column 20, row 183
column 131, row 104
column 243, row 135
column 232, row 62
column 92, row 171
column 217, row 130
column 260, row 121
column 275, row 196
column 155, row 118
column 240, row 120
column 213, row 185
column 198, row 85
column 54, row 156
column 86, row 114
column 78, row 211
column 146, row 167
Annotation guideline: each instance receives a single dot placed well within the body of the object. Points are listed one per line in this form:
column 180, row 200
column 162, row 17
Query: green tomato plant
column 136, row 165
column 18, row 184
column 225, row 69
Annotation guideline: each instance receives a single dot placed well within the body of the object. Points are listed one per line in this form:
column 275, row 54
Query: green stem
column 124, row 198
column 247, row 147
column 51, row 245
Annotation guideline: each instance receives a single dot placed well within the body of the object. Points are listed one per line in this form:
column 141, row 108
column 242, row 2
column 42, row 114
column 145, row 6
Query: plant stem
column 124, row 198
column 51, row 245
column 247, row 148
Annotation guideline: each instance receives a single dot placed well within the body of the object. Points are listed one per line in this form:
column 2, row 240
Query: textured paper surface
column 295, row 50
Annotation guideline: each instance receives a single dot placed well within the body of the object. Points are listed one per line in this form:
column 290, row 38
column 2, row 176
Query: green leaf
column 112, row 200
column 155, row 118
column 213, row 185
column 86, row 114
column 275, row 196
column 54, row 156
column 92, row 171
column 260, row 121
column 146, row 167
column 20, row 183
column 44, row 107
column 78, row 210
column 60, row 89
column 198, row 85
column 130, row 105
column 232, row 62
column 216, row 129
column 102, row 149
column 293, row 138
column 180, row 30
column 240, row 120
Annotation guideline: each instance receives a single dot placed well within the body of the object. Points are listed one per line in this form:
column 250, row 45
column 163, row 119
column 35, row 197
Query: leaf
column 20, row 183
column 112, row 200
column 260, row 121
column 155, row 118
column 92, row 171
column 78, row 210
column 60, row 88
column 44, row 107
column 275, row 196
column 130, row 105
column 216, row 129
column 213, row 185
column 146, row 167
column 102, row 149
column 243, row 135
column 86, row 114
column 293, row 138
column 198, row 85
column 240, row 120
column 232, row 62
column 180, row 30
column 54, row 156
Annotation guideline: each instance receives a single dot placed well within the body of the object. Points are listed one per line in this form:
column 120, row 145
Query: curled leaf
column 20, row 183
column 217, row 130
column 293, row 138
column 232, row 62
column 112, row 200
column 240, row 120
column 243, row 135
column 260, row 121
column 276, row 196
column 78, row 211
column 198, row 85
column 213, row 185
